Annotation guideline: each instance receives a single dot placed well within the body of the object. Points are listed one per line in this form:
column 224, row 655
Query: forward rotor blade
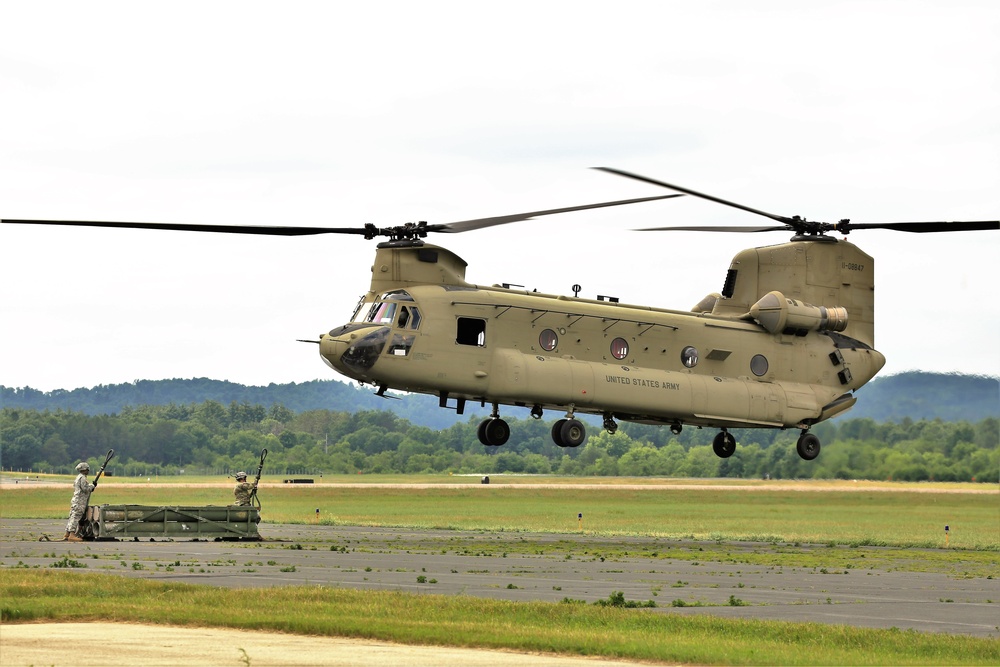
column 924, row 227
column 644, row 179
column 225, row 229
column 369, row 231
column 480, row 223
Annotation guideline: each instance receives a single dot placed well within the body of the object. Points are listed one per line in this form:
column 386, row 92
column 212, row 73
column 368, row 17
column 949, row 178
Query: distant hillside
column 916, row 395
column 298, row 397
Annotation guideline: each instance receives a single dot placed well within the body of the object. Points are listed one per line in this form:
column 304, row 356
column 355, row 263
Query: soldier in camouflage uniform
column 81, row 498
column 244, row 489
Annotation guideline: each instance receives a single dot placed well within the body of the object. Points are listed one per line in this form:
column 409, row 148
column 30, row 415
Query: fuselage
column 422, row 328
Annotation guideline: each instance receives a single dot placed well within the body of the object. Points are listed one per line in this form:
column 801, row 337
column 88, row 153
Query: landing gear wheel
column 557, row 432
column 724, row 444
column 495, row 432
column 572, row 433
column 808, row 446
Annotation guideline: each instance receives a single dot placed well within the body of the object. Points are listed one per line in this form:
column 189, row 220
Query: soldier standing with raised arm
column 81, row 498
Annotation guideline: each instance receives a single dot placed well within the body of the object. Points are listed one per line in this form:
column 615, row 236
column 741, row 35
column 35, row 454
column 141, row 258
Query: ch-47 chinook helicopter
column 784, row 345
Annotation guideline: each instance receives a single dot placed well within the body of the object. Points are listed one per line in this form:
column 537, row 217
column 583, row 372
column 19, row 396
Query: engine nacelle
column 779, row 314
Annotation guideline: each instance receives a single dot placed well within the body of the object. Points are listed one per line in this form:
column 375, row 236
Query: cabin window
column 689, row 356
column 471, row 331
column 619, row 348
column 758, row 365
column 548, row 340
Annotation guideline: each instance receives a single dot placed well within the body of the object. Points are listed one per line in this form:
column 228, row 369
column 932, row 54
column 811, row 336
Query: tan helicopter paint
column 650, row 384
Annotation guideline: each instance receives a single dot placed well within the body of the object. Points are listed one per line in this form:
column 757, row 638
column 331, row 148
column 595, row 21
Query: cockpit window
column 361, row 311
column 383, row 313
column 397, row 295
column 409, row 317
column 385, row 310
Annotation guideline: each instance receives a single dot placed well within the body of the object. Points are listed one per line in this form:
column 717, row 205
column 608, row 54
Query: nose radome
column 354, row 348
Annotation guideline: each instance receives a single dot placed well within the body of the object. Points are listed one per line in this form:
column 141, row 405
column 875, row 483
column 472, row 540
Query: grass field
column 574, row 629
column 808, row 512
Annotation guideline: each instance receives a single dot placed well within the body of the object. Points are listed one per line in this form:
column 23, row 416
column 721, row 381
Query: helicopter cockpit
column 394, row 313
column 393, row 309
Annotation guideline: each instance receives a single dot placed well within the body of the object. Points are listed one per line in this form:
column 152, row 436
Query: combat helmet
column 83, row 467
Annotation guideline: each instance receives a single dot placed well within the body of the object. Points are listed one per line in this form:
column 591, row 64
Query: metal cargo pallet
column 231, row 522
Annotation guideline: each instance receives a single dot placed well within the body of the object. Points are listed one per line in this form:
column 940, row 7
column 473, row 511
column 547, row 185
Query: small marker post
column 317, row 515
column 946, row 537
column 579, row 519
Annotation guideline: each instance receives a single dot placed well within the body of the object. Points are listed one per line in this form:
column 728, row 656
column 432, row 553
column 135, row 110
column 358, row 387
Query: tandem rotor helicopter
column 784, row 345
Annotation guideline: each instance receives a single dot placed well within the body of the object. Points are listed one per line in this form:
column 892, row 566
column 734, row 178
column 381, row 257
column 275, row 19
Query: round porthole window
column 689, row 356
column 758, row 365
column 548, row 340
column 619, row 348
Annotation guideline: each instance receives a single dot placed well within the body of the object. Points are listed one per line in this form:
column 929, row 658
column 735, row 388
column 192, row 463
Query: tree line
column 211, row 437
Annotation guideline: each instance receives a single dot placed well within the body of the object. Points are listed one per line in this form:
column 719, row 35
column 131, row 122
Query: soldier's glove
column 95, row 483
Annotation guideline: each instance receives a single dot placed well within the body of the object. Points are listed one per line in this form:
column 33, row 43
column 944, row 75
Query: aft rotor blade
column 480, row 223
column 714, row 229
column 924, row 227
column 225, row 229
column 644, row 179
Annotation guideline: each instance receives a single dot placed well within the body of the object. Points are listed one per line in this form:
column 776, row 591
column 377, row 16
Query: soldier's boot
column 73, row 537
column 66, row 537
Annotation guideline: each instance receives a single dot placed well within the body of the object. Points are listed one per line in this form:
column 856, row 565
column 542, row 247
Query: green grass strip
column 574, row 629
column 904, row 518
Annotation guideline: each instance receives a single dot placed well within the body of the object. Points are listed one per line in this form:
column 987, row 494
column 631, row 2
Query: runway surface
column 547, row 567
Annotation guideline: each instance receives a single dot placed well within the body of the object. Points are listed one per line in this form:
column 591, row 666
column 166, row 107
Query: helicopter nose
column 353, row 348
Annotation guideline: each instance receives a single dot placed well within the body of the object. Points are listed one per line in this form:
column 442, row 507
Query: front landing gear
column 807, row 446
column 724, row 444
column 494, row 431
column 569, row 433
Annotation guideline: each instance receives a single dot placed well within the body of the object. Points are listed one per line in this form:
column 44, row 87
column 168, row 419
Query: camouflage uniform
column 81, row 498
column 243, row 491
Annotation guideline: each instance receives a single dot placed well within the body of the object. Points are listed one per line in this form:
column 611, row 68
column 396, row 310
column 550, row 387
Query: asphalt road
column 545, row 567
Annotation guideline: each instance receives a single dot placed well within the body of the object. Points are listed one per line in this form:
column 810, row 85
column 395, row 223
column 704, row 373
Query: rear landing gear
column 724, row 444
column 807, row 446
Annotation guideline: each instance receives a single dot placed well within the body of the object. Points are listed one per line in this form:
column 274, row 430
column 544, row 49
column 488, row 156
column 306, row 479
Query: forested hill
column 297, row 397
column 918, row 395
column 913, row 395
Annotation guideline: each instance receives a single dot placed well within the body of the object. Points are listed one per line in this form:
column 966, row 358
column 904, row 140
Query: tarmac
column 545, row 567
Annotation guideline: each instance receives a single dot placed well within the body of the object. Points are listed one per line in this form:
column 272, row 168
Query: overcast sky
column 341, row 114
